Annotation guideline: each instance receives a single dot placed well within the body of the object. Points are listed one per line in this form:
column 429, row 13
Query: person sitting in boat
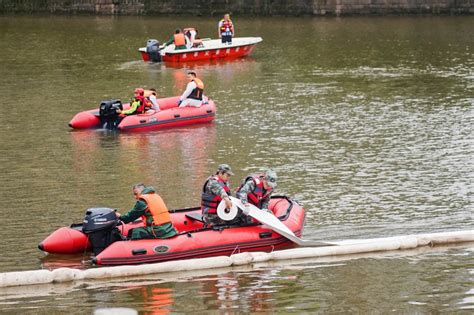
column 226, row 29
column 138, row 105
column 257, row 189
column 193, row 95
column 178, row 39
column 214, row 190
column 193, row 39
column 153, row 212
column 151, row 95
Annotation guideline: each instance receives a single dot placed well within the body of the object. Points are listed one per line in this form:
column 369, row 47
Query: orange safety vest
column 157, row 209
column 179, row 39
column 197, row 92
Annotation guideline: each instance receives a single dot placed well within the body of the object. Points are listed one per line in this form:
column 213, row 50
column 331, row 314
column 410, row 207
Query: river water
column 368, row 122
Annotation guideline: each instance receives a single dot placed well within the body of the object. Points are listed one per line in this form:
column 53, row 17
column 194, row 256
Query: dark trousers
column 227, row 39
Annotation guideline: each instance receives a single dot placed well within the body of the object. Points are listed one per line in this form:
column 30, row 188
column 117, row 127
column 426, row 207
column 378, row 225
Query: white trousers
column 191, row 102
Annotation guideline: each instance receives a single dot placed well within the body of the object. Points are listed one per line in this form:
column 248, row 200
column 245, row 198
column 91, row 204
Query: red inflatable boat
column 211, row 49
column 193, row 241
column 169, row 115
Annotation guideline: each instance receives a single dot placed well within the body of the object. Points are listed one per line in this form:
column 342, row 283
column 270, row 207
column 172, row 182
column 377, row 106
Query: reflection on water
column 77, row 261
column 423, row 280
column 368, row 122
column 171, row 78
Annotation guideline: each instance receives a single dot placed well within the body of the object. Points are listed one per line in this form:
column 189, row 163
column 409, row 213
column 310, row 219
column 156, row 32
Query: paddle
column 272, row 222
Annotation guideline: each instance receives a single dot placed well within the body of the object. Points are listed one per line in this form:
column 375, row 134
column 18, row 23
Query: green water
column 368, row 122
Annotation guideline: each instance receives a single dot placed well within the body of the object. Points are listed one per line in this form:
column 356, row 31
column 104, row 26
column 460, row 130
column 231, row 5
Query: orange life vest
column 197, row 92
column 179, row 39
column 157, row 209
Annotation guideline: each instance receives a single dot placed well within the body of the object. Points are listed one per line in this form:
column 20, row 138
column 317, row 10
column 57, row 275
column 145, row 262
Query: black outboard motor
column 153, row 50
column 100, row 226
column 108, row 113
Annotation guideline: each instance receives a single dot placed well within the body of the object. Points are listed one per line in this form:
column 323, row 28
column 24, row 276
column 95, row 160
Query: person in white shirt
column 151, row 95
column 193, row 95
column 192, row 36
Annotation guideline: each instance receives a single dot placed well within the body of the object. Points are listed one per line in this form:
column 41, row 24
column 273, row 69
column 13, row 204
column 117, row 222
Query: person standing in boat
column 178, row 39
column 257, row 189
column 153, row 212
column 226, row 29
column 215, row 189
column 193, row 95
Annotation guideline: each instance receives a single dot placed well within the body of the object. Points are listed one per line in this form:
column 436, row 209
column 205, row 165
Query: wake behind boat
column 210, row 49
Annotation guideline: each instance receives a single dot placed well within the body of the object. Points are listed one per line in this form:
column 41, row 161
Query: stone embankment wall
column 239, row 7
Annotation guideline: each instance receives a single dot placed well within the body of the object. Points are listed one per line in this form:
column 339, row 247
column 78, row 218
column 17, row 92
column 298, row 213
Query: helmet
column 225, row 168
column 271, row 178
column 139, row 91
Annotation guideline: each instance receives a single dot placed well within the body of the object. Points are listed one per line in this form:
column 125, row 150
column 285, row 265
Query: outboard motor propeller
column 100, row 226
column 153, row 50
column 108, row 113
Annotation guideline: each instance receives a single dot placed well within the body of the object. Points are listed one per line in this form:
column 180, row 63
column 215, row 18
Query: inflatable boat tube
column 169, row 115
column 194, row 239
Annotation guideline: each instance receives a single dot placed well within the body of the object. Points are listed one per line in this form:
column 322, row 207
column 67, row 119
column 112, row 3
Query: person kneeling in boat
column 193, row 39
column 193, row 95
column 153, row 212
column 178, row 39
column 138, row 105
column 215, row 190
column 257, row 189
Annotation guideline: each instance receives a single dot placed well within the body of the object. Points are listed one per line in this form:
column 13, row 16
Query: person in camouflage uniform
column 214, row 190
column 257, row 189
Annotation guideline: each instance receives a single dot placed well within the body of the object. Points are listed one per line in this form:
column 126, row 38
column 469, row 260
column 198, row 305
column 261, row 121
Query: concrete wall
column 257, row 7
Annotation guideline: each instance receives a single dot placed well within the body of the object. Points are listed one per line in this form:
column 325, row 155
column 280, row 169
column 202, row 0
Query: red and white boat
column 211, row 49
column 193, row 241
column 169, row 115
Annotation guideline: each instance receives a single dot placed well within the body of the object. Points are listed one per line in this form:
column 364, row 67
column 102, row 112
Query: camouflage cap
column 225, row 168
column 271, row 178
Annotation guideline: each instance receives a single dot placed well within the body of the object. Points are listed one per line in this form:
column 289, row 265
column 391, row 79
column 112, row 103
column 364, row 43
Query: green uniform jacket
column 171, row 41
column 157, row 231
